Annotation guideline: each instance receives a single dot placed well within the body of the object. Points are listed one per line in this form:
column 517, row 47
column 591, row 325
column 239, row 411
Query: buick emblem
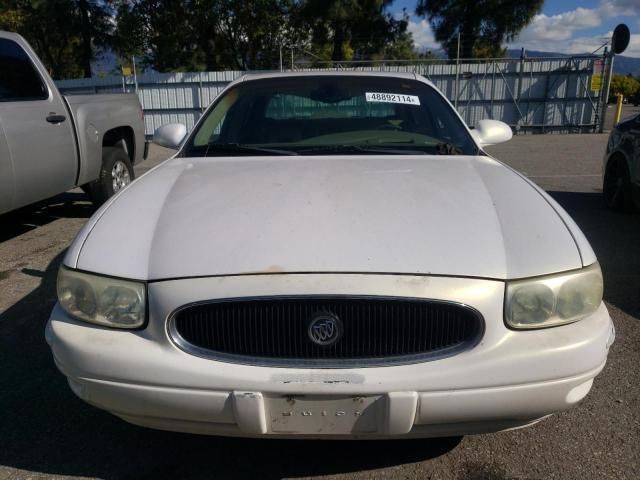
column 325, row 329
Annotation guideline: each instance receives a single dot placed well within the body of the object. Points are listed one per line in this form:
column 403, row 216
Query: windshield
column 313, row 115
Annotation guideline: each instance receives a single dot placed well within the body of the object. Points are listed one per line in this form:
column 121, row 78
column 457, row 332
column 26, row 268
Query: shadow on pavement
column 615, row 238
column 45, row 429
column 67, row 205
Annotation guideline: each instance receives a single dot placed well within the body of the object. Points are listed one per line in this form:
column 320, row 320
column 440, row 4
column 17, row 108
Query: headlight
column 553, row 300
column 102, row 300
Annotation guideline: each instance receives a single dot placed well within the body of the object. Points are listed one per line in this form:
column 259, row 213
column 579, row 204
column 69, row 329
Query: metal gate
column 537, row 95
column 533, row 95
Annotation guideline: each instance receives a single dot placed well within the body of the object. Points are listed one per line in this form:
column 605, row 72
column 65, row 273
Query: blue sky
column 563, row 26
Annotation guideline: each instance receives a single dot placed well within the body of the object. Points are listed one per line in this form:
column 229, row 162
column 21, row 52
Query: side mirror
column 170, row 135
column 490, row 132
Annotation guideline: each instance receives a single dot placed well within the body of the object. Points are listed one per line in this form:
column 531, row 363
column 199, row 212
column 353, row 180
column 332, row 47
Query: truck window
column 19, row 79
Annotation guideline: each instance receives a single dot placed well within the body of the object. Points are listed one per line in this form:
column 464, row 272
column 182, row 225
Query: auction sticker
column 392, row 98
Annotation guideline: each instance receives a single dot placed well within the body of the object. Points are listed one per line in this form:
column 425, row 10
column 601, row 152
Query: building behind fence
column 533, row 95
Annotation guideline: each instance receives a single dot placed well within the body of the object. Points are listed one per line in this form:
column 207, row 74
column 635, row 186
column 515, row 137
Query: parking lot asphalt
column 46, row 432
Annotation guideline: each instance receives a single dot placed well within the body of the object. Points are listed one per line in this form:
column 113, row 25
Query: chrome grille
column 374, row 330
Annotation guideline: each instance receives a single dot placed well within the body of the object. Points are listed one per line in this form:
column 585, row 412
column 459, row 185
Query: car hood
column 444, row 215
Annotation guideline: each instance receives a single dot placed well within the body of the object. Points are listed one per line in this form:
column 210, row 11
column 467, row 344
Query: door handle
column 56, row 118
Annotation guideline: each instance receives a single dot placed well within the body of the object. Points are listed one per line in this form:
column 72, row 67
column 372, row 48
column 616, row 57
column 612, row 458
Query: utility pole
column 455, row 100
column 608, row 55
column 619, row 43
column 281, row 66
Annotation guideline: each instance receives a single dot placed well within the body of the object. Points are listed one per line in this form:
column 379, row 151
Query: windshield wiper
column 337, row 149
column 239, row 148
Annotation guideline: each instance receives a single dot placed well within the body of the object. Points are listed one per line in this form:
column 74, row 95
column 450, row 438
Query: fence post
column 200, row 104
column 519, row 94
column 455, row 100
column 616, row 117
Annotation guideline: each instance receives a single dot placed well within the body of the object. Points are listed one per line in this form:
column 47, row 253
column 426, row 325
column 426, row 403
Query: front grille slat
column 376, row 330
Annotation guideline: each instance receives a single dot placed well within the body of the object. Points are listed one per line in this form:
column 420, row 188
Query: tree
column 402, row 48
column 626, row 85
column 484, row 25
column 95, row 28
column 130, row 34
column 253, row 31
column 346, row 29
column 65, row 34
column 39, row 22
column 166, row 34
column 195, row 35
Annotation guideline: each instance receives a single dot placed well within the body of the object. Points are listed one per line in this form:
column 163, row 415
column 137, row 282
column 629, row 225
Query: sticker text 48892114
column 392, row 98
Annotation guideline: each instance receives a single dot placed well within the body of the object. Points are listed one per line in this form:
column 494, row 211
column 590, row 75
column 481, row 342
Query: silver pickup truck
column 50, row 143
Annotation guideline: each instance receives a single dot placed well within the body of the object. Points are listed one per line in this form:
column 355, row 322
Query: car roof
column 332, row 73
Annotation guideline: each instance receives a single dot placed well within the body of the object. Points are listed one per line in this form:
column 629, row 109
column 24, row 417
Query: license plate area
column 323, row 415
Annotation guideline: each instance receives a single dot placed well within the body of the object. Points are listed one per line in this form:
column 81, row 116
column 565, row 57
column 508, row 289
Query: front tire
column 115, row 174
column 616, row 187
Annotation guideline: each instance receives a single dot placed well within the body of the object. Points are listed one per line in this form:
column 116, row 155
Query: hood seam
column 496, row 216
column 157, row 220
column 107, row 206
column 537, row 189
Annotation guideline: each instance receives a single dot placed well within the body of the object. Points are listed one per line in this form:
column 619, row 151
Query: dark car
column 621, row 186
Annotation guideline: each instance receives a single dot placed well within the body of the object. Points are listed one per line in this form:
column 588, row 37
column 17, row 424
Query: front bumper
column 509, row 379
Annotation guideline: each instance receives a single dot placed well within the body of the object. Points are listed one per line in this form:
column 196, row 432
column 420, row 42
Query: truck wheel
column 616, row 187
column 115, row 174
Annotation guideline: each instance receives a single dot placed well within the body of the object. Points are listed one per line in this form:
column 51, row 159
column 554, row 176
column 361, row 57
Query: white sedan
column 331, row 255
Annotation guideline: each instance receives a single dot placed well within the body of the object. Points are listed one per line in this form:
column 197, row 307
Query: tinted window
column 19, row 80
column 310, row 114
